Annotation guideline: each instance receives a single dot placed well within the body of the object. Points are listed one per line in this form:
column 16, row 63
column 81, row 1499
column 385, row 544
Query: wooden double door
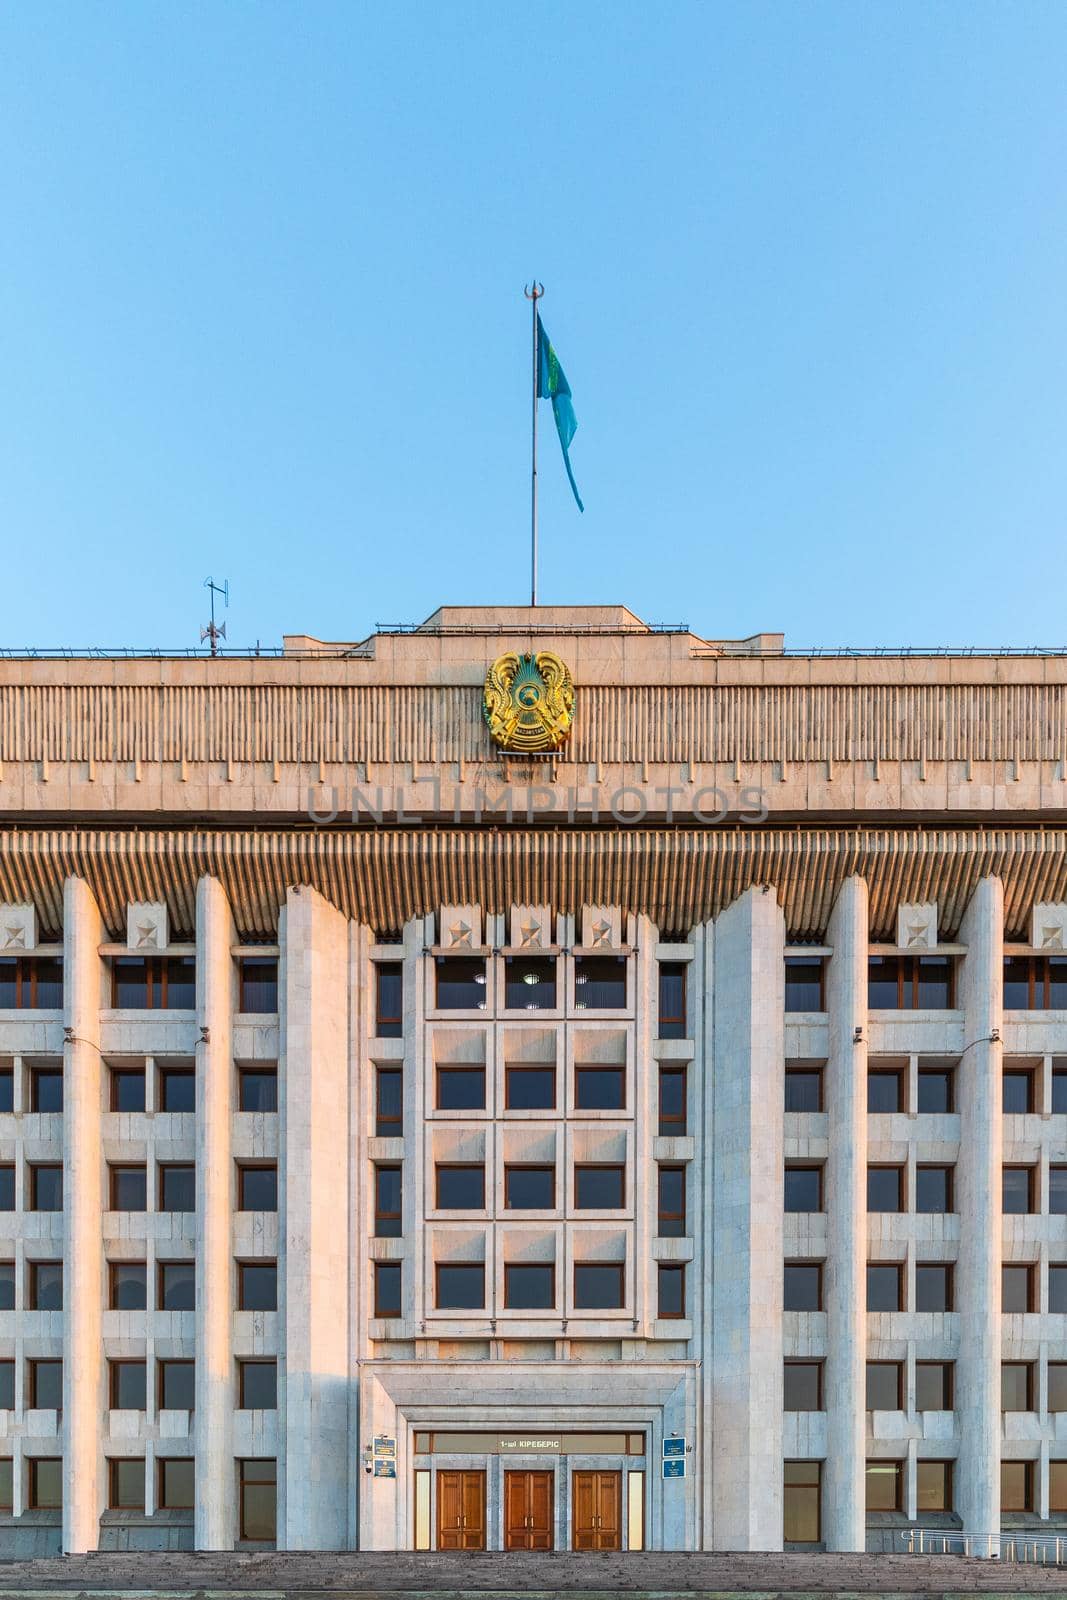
column 596, row 1519
column 461, row 1510
column 529, row 1510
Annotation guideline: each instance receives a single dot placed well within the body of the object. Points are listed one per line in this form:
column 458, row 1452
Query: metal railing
column 1040, row 1549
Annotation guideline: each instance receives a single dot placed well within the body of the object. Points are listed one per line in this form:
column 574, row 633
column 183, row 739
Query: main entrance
column 596, row 1523
column 461, row 1511
column 529, row 1501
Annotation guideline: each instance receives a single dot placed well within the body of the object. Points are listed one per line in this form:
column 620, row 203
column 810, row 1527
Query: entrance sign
column 673, row 1447
column 384, row 1446
column 515, row 1441
column 383, row 1468
column 674, row 1467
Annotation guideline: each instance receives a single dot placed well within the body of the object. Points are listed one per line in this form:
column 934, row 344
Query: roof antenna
column 211, row 631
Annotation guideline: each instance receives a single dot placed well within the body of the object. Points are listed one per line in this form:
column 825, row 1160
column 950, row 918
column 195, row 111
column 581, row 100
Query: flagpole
column 534, row 294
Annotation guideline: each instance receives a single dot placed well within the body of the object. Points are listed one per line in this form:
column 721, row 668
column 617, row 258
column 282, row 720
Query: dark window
column 1017, row 1092
column 45, row 1286
column 175, row 1484
column 46, row 1385
column 598, row 1286
column 128, row 1285
column 461, row 1088
column 389, row 1013
column 885, row 1090
column 599, row 1188
column 125, row 1480
column 7, row 1483
column 885, row 1188
column 530, row 1188
column 177, row 1385
column 257, row 1286
column 460, row 1286
column 1016, row 1386
column 802, row 1286
column 803, row 1088
column 1057, row 1287
column 259, row 985
column 257, row 1089
column 933, row 1385
column 599, row 1088
column 460, row 1188
column 388, row 1102
column 530, row 1287
column 153, row 983
column 600, row 983
column 7, row 1386
column 387, row 1289
column 884, row 1480
column 1057, row 1485
column 45, row 1483
column 671, row 1202
column 530, row 983
column 672, row 999
column 803, row 1188
column 257, row 1385
column 933, row 1190
column 937, row 1090
column 1059, row 1090
column 670, row 1277
column 127, row 1385
column 801, row 1498
column 1017, row 1288
column 31, row 983
column 7, row 1187
column 46, row 1089
column 259, row 1501
column 7, row 1089
column 672, row 1101
column 1019, row 1188
column 46, row 1187
column 1035, row 983
column 7, row 1286
column 1057, row 1385
column 530, row 1088
column 934, row 1288
column 177, row 1286
column 1016, row 1486
column 177, row 1188
column 804, row 984
column 803, row 1386
column 257, row 1188
column 885, row 1386
column 128, row 1188
column 461, row 983
column 388, row 1203
column 910, row 983
column 885, row 1286
column 933, row 1485
column 127, row 1089
column 1057, row 1191
column 177, row 1089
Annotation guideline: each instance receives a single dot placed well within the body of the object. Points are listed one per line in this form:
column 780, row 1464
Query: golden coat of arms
column 529, row 701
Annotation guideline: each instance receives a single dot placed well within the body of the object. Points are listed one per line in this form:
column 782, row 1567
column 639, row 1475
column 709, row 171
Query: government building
column 532, row 1081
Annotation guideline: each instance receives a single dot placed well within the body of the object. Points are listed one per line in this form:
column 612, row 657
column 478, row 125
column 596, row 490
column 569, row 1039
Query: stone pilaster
column 83, row 1268
column 215, row 1519
column 314, row 1231
column 978, row 1201
column 844, row 1514
column 746, row 1224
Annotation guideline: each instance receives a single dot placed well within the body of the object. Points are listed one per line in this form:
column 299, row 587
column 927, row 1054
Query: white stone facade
column 406, row 1409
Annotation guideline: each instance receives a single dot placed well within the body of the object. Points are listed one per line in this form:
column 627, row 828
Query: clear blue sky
column 261, row 314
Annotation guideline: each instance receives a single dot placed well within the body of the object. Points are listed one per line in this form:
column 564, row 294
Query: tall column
column 82, row 1205
column 844, row 1512
column 746, row 1223
column 215, row 1518
column 979, row 1203
column 315, row 1226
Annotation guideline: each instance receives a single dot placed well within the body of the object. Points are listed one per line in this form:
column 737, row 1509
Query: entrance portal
column 461, row 1511
column 597, row 1517
column 529, row 1502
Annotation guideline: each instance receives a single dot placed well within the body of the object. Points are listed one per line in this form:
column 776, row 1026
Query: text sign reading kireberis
column 529, row 701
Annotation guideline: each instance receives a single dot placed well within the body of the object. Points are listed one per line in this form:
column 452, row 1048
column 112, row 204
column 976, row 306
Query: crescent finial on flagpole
column 535, row 292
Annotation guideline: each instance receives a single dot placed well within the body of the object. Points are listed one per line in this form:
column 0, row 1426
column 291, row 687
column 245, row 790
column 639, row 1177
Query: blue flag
column 552, row 385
